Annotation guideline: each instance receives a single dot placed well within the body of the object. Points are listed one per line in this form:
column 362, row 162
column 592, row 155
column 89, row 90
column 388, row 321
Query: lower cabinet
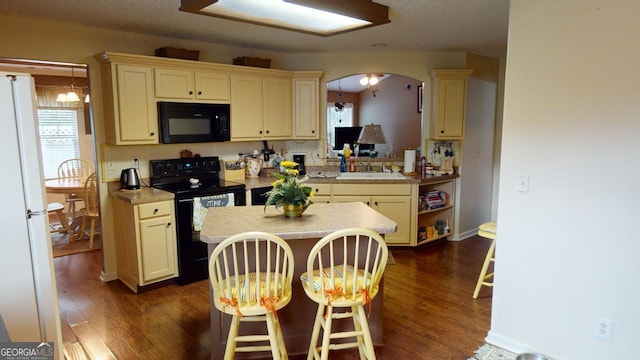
column 321, row 192
column 395, row 201
column 146, row 248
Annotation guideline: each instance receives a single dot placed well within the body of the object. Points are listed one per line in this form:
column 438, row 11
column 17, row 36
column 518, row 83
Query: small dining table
column 67, row 186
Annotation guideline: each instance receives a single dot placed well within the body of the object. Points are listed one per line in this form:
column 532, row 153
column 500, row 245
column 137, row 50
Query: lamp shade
column 372, row 134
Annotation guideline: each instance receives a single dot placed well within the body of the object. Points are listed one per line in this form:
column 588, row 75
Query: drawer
column 320, row 189
column 372, row 189
column 155, row 209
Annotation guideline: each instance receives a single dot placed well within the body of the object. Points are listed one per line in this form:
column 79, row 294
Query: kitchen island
column 301, row 234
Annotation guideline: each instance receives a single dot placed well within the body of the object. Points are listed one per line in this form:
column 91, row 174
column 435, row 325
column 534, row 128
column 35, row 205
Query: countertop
column 318, row 220
column 140, row 196
column 266, row 179
column 148, row 194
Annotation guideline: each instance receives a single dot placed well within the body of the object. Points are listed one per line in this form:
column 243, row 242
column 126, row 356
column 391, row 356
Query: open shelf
column 435, row 210
column 426, row 241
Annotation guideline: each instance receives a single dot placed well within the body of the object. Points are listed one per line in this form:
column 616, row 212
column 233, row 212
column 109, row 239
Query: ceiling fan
column 339, row 106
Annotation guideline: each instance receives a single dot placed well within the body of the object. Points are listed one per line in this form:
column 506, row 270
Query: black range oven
column 194, row 181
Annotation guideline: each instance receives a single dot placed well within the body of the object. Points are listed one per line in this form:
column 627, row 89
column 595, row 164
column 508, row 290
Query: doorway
column 65, row 131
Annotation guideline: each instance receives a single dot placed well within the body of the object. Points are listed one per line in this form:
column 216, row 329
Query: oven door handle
column 185, row 200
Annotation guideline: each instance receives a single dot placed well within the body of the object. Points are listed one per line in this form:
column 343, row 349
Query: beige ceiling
column 478, row 26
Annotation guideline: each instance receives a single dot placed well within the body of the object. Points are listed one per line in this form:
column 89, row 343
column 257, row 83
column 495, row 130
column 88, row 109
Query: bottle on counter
column 343, row 164
column 423, row 168
column 346, row 151
column 352, row 165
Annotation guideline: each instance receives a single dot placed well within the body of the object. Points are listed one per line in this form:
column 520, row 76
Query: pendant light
column 71, row 96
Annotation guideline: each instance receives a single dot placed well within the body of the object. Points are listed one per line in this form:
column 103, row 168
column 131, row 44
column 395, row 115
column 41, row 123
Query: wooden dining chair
column 91, row 211
column 74, row 169
column 58, row 209
column 251, row 275
column 344, row 270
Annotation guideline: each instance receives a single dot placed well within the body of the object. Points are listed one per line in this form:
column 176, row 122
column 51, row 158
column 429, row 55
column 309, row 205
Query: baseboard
column 464, row 235
column 508, row 343
column 106, row 277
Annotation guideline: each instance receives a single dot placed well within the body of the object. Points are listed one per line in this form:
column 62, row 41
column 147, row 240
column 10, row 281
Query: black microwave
column 193, row 122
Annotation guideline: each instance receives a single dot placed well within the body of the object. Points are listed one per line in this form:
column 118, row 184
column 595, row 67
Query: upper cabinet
column 306, row 105
column 129, row 106
column 190, row 85
column 448, row 104
column 260, row 107
column 265, row 103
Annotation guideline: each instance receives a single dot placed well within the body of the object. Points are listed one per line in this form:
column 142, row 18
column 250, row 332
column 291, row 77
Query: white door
column 29, row 302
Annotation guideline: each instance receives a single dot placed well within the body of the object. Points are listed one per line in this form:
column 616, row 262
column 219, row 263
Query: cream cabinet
column 266, row 104
column 129, row 105
column 190, row 85
column 395, row 201
column 306, row 105
column 146, row 248
column 321, row 192
column 448, row 104
column 260, row 107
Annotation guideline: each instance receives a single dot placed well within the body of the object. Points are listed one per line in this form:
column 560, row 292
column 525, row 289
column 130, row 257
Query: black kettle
column 129, row 179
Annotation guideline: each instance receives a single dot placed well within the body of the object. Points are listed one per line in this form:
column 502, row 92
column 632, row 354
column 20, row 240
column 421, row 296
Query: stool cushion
column 275, row 287
column 488, row 230
column 339, row 279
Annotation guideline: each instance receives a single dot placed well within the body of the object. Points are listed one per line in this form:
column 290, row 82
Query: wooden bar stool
column 251, row 275
column 344, row 270
column 486, row 230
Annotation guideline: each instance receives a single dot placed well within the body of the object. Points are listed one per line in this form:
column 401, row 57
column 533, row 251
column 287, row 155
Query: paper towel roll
column 409, row 161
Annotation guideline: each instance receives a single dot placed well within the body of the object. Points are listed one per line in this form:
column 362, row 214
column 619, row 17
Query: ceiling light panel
column 321, row 17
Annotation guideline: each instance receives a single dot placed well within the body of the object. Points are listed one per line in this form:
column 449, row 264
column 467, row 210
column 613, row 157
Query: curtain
column 46, row 96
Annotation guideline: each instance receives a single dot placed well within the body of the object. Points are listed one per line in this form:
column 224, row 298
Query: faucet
column 367, row 166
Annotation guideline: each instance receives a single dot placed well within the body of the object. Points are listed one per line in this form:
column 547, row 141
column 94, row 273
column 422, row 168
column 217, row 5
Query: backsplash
column 115, row 158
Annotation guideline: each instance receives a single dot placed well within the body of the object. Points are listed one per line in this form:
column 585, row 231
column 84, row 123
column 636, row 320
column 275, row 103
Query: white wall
column 476, row 170
column 566, row 250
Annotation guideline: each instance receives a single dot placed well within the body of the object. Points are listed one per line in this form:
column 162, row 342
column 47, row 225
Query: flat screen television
column 349, row 135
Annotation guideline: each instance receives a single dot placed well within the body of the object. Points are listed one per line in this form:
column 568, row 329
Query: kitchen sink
column 370, row 176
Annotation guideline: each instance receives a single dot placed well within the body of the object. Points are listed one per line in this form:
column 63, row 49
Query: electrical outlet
column 110, row 165
column 135, row 162
column 602, row 328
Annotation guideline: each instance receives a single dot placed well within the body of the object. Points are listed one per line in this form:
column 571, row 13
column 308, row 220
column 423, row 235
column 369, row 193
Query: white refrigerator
column 28, row 300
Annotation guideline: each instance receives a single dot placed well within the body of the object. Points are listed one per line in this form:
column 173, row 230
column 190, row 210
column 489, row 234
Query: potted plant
column 289, row 191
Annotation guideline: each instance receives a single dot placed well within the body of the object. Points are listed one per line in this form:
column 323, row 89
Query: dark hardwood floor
column 429, row 312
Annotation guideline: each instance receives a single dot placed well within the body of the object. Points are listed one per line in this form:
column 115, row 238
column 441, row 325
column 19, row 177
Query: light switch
column 523, row 183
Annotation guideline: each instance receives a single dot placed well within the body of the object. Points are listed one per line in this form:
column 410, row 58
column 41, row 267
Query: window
column 58, row 138
column 338, row 118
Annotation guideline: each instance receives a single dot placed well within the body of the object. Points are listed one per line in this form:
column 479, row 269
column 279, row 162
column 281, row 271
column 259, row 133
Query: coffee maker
column 299, row 158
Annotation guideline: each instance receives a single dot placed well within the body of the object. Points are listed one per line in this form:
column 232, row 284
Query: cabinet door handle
column 441, row 131
column 152, row 133
column 313, row 131
column 168, row 224
column 190, row 92
column 155, row 211
column 199, row 92
column 260, row 132
column 267, row 131
column 376, row 203
column 368, row 203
